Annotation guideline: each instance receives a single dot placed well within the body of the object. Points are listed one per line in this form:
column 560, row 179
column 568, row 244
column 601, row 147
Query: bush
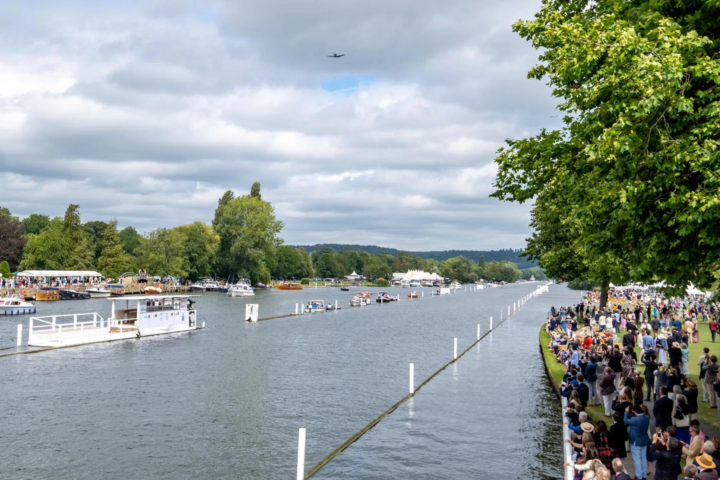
column 305, row 281
column 5, row 269
column 382, row 283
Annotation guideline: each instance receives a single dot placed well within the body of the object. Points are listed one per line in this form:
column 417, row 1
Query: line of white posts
column 411, row 386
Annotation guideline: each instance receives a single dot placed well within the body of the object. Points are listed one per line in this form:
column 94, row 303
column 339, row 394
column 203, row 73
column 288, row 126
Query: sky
column 147, row 111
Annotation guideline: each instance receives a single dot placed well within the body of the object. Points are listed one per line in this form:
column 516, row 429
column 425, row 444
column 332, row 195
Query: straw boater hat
column 705, row 461
column 588, row 428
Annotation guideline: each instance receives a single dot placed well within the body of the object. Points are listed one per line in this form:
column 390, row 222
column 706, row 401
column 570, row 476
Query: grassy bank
column 706, row 415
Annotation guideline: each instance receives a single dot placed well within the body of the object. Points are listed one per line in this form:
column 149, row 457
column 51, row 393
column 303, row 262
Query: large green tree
column 627, row 188
column 249, row 236
column 327, row 266
column 113, row 261
column 62, row 245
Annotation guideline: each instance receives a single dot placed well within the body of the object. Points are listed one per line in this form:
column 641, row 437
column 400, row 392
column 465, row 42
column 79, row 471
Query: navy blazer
column 663, row 410
column 591, row 372
column 638, row 429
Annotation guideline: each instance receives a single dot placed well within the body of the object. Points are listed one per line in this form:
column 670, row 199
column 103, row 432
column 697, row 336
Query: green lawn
column 706, row 415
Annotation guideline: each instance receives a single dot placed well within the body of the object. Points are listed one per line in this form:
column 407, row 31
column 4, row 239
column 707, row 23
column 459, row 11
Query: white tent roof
column 58, row 273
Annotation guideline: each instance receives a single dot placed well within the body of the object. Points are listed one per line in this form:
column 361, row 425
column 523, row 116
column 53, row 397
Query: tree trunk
column 604, row 292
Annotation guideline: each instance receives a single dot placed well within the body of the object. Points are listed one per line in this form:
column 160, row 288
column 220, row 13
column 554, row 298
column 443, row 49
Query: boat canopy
column 58, row 273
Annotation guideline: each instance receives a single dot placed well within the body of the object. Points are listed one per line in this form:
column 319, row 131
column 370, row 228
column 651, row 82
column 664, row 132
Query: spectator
column 638, row 425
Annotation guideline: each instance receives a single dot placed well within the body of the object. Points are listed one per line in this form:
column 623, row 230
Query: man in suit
column 663, row 410
column 618, row 470
column 629, row 340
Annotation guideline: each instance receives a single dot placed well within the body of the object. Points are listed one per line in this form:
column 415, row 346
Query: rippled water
column 227, row 402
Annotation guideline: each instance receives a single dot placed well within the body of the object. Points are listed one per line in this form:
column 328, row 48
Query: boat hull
column 16, row 310
column 73, row 295
column 99, row 294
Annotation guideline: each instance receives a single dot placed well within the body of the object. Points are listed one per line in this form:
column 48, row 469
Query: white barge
column 131, row 317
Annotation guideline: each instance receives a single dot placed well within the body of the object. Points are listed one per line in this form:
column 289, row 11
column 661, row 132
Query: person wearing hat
column 638, row 425
column 706, row 467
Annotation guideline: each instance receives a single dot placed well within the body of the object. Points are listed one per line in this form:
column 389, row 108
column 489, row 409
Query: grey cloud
column 115, row 105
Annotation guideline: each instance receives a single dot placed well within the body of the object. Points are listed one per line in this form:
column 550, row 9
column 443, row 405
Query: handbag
column 678, row 413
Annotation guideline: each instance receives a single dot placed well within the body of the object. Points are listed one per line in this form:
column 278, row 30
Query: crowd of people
column 651, row 414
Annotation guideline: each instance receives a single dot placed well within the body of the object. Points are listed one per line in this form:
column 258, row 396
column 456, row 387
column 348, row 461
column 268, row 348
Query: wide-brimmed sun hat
column 586, row 427
column 705, row 461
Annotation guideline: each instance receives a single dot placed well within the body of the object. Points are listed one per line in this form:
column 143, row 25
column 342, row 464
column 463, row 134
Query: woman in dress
column 602, row 442
column 696, row 332
column 681, row 416
column 627, row 364
column 661, row 347
column 684, row 367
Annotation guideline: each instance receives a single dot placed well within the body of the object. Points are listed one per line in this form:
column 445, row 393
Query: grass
column 706, row 415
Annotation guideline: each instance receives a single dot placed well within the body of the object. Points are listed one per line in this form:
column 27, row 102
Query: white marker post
column 301, row 455
column 296, row 309
column 508, row 310
column 412, row 379
column 455, row 349
column 335, row 305
column 19, row 335
column 478, row 335
column 491, row 320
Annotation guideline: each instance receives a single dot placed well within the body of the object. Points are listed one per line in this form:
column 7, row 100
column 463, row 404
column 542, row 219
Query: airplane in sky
column 335, row 55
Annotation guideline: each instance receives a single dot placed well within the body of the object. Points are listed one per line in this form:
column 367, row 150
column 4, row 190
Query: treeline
column 509, row 254
column 242, row 241
column 329, row 263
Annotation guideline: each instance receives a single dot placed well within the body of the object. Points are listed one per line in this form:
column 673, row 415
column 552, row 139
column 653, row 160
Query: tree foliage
column 35, row 223
column 161, row 253
column 12, row 239
column 113, row 261
column 249, row 237
column 200, row 245
column 627, row 188
column 5, row 269
column 130, row 239
column 62, row 245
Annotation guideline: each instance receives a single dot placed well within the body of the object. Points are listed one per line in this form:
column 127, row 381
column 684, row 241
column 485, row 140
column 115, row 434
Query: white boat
column 98, row 292
column 205, row 285
column 241, row 290
column 133, row 316
column 315, row 306
column 443, row 291
column 360, row 302
column 14, row 305
column 415, row 283
column 455, row 286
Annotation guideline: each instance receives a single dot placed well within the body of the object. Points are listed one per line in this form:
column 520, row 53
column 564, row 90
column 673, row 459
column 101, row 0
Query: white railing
column 567, row 448
column 57, row 328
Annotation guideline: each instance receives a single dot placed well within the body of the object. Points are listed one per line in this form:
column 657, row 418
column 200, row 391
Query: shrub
column 305, row 281
column 5, row 269
column 382, row 283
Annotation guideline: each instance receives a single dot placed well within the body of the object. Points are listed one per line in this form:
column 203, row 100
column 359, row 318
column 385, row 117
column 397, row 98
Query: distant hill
column 510, row 254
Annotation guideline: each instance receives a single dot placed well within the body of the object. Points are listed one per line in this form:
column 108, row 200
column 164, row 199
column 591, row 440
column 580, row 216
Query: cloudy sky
column 147, row 111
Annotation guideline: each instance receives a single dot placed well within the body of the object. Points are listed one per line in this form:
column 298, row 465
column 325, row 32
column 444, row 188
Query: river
column 227, row 401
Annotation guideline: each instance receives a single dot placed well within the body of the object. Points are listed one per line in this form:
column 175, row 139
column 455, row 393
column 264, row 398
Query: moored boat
column 455, row 286
column 14, row 305
column 98, row 292
column 152, row 290
column 315, row 306
column 364, row 294
column 344, row 289
column 47, row 294
column 289, row 286
column 241, row 290
column 68, row 294
column 413, row 295
column 135, row 316
column 116, row 289
column 360, row 302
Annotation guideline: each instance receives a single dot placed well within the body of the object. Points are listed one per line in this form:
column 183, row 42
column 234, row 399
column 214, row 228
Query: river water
column 227, row 401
